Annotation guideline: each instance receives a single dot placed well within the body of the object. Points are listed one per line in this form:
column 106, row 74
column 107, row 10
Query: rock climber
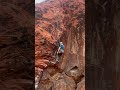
column 61, row 48
column 60, row 51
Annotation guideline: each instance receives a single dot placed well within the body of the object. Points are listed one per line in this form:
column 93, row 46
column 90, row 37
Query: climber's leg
column 57, row 58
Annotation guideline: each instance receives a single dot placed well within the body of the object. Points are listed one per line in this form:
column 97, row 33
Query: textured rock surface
column 102, row 45
column 63, row 82
column 81, row 85
column 57, row 82
column 16, row 45
column 60, row 20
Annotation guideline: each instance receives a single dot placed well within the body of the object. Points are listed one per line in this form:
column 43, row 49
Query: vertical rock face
column 60, row 20
column 102, row 18
column 16, row 46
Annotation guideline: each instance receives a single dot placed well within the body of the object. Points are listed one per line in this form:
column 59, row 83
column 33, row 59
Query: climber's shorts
column 61, row 51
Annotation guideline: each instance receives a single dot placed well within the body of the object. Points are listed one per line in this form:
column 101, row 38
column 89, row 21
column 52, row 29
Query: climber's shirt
column 62, row 48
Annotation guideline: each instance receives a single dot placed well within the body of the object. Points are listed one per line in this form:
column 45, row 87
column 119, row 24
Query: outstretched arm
column 58, row 50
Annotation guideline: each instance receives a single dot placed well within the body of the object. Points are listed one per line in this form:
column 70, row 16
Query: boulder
column 75, row 74
column 63, row 82
column 45, row 85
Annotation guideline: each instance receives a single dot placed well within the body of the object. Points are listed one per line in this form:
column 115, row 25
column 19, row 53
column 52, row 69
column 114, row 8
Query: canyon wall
column 60, row 20
column 102, row 45
column 16, row 45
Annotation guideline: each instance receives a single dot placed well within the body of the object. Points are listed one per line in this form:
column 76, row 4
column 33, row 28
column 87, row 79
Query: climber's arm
column 58, row 50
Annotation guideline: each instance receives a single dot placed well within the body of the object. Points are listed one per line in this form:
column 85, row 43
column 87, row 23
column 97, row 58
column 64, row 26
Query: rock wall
column 102, row 35
column 61, row 20
column 16, row 45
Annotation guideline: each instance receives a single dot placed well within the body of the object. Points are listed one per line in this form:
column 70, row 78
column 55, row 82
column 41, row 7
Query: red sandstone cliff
column 64, row 20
